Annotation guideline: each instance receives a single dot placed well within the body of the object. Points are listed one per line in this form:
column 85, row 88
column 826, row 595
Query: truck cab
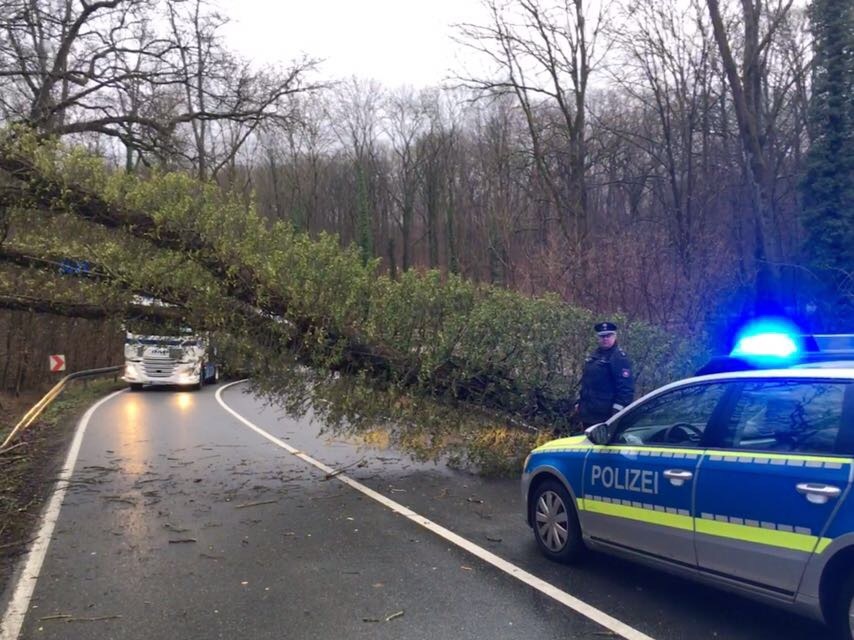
column 185, row 359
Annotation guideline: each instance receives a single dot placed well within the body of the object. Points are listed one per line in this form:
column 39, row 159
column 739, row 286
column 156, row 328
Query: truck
column 184, row 359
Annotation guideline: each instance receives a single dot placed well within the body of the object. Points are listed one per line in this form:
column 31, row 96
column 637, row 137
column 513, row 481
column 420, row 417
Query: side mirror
column 598, row 433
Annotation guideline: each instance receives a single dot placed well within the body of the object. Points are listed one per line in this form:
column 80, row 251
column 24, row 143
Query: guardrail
column 31, row 415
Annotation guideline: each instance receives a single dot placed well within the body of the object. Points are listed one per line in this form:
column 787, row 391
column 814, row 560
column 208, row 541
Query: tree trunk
column 746, row 94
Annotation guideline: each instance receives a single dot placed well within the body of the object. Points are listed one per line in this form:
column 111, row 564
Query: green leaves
column 432, row 358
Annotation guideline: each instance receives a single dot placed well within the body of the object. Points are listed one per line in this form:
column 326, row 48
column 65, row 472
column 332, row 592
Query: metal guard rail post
column 31, row 415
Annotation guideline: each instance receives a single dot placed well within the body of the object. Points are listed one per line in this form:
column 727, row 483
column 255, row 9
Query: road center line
column 13, row 618
column 579, row 606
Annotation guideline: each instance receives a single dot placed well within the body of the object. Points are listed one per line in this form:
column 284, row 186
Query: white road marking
column 579, row 606
column 13, row 618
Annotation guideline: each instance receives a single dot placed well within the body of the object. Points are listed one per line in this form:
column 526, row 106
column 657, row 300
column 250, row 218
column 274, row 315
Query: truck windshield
column 149, row 333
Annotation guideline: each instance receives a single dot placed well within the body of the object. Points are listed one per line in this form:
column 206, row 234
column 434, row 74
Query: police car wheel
column 843, row 622
column 555, row 521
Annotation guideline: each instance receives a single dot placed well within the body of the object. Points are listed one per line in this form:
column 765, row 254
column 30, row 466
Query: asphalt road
column 182, row 522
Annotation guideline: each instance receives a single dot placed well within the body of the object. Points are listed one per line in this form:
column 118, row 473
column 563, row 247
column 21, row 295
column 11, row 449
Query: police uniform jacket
column 607, row 384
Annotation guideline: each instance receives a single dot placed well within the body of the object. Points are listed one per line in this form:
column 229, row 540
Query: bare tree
column 231, row 100
column 405, row 120
column 57, row 57
column 440, row 149
column 69, row 68
column 291, row 181
column 354, row 118
column 543, row 54
column 747, row 82
column 666, row 66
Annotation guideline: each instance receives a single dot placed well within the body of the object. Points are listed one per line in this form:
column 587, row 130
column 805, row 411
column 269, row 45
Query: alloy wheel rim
column 851, row 618
column 552, row 521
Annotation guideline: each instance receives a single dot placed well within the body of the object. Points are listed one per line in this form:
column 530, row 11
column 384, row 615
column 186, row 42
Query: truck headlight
column 134, row 351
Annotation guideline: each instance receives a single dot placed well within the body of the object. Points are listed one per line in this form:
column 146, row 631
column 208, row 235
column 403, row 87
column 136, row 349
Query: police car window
column 780, row 415
column 675, row 418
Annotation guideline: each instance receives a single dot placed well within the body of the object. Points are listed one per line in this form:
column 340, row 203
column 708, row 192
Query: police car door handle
column 818, row 493
column 678, row 477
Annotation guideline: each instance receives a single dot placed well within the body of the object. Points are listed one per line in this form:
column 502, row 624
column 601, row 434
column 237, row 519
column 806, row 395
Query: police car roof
column 845, row 372
column 842, row 371
column 824, row 351
column 829, row 364
column 730, row 364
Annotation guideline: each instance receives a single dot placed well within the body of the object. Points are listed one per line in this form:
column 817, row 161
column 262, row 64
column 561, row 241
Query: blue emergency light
column 774, row 339
column 775, row 345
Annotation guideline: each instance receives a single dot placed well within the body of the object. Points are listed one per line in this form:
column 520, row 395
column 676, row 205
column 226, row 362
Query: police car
column 739, row 478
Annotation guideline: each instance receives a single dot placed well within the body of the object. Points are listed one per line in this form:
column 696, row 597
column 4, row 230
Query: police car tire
column 574, row 547
column 135, row 386
column 840, row 622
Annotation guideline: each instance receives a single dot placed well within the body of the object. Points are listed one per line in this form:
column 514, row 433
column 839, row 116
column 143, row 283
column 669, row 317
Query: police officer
column 607, row 384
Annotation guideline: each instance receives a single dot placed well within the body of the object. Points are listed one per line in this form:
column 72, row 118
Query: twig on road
column 359, row 463
column 70, row 618
column 96, row 619
column 255, row 504
column 138, row 482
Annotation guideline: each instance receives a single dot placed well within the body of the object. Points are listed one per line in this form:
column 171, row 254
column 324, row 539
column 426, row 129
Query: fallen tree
column 380, row 351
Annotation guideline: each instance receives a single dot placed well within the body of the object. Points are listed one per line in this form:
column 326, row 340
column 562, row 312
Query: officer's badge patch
column 626, row 373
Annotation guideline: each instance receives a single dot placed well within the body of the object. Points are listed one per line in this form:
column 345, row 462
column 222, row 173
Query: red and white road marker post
column 57, row 363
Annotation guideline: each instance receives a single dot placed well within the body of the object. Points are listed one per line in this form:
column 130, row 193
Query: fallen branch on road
column 254, row 504
column 96, row 619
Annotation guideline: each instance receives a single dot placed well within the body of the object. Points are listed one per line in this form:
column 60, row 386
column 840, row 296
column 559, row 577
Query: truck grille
column 158, row 367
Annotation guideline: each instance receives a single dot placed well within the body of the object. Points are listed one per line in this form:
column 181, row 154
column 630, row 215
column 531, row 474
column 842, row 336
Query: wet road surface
column 181, row 522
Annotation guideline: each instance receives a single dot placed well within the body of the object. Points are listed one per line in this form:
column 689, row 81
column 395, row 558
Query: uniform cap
column 604, row 328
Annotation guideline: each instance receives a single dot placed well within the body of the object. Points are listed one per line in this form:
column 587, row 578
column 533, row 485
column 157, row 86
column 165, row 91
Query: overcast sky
column 396, row 42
